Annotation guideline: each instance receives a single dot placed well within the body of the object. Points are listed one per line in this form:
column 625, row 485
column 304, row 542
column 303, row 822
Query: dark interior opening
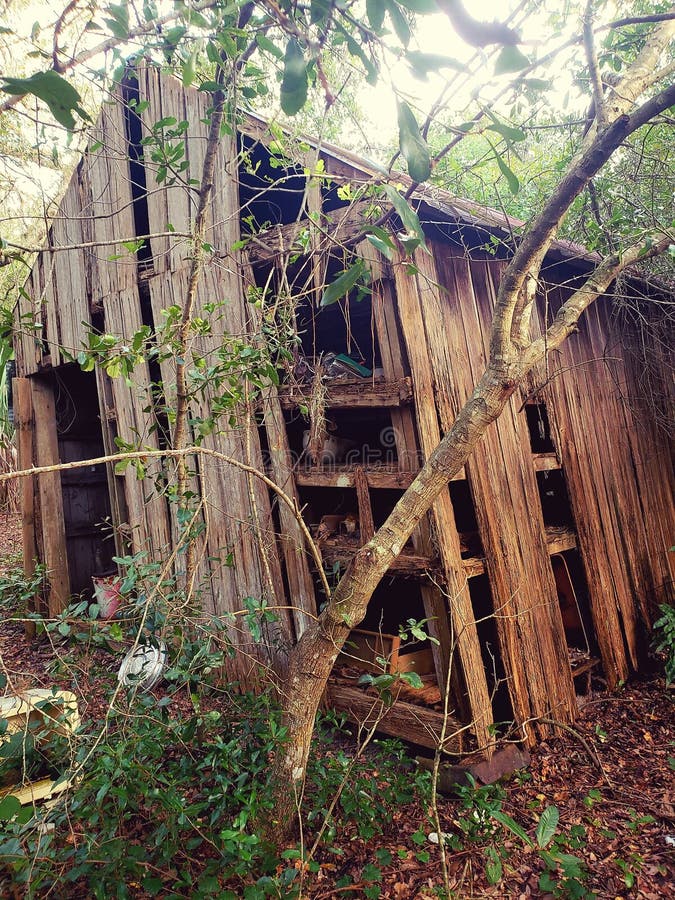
column 570, row 582
column 465, row 518
column 318, row 502
column 394, row 601
column 271, row 188
column 539, row 428
column 555, row 501
column 139, row 188
column 344, row 327
column 483, row 610
column 86, row 500
column 354, row 437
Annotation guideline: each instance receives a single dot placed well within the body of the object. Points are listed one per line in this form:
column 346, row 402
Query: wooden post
column 51, row 498
column 412, row 314
column 365, row 509
column 23, row 418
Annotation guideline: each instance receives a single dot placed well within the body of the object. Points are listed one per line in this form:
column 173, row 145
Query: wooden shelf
column 351, row 393
column 584, row 667
column 558, row 540
column 343, row 477
column 408, row 721
column 546, row 462
column 341, row 549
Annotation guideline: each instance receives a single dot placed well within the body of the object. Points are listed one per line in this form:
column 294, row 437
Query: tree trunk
column 312, row 660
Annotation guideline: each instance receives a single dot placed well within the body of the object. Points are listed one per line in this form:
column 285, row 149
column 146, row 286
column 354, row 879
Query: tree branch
column 511, row 325
column 72, row 61
column 568, row 315
column 474, row 32
column 593, row 67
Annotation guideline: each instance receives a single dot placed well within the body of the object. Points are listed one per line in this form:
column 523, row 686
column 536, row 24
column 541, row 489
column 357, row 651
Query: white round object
column 142, row 667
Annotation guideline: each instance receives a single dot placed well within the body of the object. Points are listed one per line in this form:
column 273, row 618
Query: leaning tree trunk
column 312, row 659
column 512, row 355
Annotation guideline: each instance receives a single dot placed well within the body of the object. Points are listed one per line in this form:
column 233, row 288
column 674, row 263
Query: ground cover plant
column 166, row 804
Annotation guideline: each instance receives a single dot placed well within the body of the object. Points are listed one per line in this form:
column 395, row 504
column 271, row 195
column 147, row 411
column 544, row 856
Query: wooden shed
column 542, row 561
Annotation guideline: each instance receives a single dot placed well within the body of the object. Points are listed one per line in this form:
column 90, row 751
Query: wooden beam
column 545, row 462
column 560, row 539
column 343, row 477
column 342, row 549
column 338, row 226
column 51, row 498
column 408, row 721
column 23, row 419
column 412, row 294
column 351, row 394
column 366, row 525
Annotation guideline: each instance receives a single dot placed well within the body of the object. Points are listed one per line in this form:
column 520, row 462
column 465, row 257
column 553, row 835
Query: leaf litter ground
column 620, row 823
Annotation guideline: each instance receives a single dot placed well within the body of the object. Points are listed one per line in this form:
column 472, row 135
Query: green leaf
column 375, row 10
column 412, row 679
column 408, row 216
column 424, row 7
column 383, row 856
column 509, row 174
column 399, row 22
column 11, row 849
column 493, row 866
column 343, row 283
column 371, row 873
column 9, row 807
column 269, row 46
column 512, row 825
column 384, row 245
column 59, row 95
column 412, row 144
column 509, row 132
column 510, row 59
column 357, row 50
column 118, row 23
column 423, row 63
column 318, row 10
column 189, row 67
column 152, row 885
column 294, row 82
column 547, row 825
column 537, row 84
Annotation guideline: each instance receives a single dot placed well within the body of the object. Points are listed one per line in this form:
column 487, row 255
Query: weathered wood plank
column 341, row 549
column 148, row 522
column 412, row 306
column 409, row 458
column 408, row 721
column 343, row 477
column 51, row 498
column 278, row 240
column 106, row 187
column 503, row 486
column 70, row 275
column 572, row 406
column 25, row 427
column 545, row 462
column 351, row 394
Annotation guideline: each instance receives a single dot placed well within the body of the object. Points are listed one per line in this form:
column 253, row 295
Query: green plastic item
column 351, row 364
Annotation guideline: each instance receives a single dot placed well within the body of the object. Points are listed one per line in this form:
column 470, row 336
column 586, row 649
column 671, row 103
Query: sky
column 377, row 128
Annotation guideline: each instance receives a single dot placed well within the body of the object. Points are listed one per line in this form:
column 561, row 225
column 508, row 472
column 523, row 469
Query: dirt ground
column 611, row 779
